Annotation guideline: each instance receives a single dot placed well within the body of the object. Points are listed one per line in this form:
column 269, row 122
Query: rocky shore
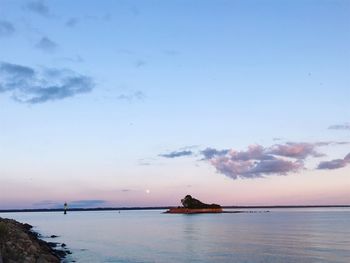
column 18, row 243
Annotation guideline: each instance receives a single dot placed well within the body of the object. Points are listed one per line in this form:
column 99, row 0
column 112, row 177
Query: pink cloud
column 295, row 150
column 258, row 161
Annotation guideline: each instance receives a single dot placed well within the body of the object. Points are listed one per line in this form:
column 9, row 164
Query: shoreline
column 162, row 208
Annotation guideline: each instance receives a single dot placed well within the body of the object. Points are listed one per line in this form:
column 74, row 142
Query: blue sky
column 97, row 95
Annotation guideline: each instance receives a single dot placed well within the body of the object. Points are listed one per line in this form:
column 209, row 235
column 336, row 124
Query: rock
column 45, row 259
column 32, row 249
column 53, row 236
column 52, row 244
column 27, row 226
column 61, row 253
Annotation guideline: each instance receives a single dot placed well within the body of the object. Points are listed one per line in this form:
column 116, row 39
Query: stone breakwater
column 18, row 243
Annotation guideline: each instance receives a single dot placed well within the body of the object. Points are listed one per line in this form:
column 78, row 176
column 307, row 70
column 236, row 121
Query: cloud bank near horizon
column 31, row 86
column 85, row 203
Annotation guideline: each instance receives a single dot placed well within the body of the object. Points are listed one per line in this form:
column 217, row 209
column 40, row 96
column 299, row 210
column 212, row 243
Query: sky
column 138, row 103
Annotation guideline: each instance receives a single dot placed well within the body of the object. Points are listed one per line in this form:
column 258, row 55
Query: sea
column 280, row 235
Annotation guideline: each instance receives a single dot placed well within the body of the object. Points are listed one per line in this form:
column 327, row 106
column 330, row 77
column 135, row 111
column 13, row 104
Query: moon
column 147, row 191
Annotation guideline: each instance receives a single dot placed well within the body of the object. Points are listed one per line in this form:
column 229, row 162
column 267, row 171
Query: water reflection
column 305, row 235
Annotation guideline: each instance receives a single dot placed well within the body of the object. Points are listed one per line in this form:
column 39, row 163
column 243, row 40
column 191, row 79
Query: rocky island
column 18, row 243
column 194, row 206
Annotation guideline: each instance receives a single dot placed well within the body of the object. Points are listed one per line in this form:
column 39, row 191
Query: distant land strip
column 161, row 208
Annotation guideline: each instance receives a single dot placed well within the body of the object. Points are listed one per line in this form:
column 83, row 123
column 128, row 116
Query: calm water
column 289, row 235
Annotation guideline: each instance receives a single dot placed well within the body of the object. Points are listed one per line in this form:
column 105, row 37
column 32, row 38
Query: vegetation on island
column 193, row 203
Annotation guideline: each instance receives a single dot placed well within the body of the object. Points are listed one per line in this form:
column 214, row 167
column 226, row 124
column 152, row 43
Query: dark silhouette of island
column 194, row 206
column 193, row 203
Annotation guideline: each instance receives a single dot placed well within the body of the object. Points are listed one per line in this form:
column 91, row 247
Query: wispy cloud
column 140, row 63
column 142, row 163
column 277, row 139
column 125, row 51
column 38, row 7
column 146, row 161
column 189, row 147
column 171, row 52
column 6, row 28
column 138, row 95
column 104, row 17
column 176, row 154
column 72, row 22
column 46, row 45
column 73, row 59
column 334, row 164
column 344, row 126
column 31, row 86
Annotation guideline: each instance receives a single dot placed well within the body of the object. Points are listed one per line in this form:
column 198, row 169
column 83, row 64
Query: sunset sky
column 138, row 103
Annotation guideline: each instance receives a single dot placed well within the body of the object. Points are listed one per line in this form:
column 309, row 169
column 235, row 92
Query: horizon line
column 77, row 209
